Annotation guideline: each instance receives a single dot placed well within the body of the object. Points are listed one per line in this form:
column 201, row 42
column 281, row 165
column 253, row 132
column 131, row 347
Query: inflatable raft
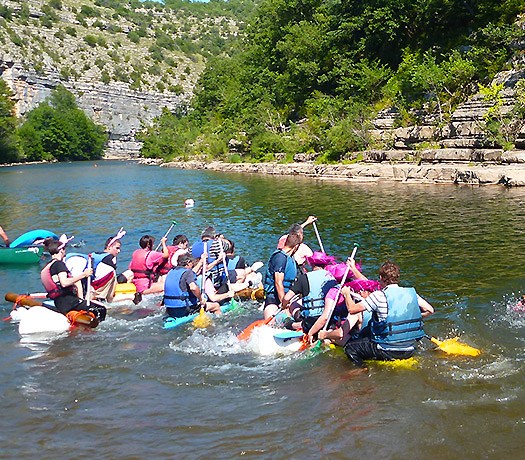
column 37, row 315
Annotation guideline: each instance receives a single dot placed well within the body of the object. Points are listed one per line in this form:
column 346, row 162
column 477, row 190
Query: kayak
column 37, row 315
column 21, row 255
column 28, row 238
column 170, row 322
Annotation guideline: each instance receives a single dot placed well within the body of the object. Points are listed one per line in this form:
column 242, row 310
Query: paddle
column 352, row 256
column 318, row 237
column 173, row 223
column 449, row 346
column 202, row 320
column 88, row 289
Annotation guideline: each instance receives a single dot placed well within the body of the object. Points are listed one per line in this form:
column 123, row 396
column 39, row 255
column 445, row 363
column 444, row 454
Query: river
column 132, row 390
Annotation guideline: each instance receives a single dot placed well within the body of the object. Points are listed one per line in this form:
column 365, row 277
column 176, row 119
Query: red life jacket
column 138, row 265
column 52, row 286
column 165, row 266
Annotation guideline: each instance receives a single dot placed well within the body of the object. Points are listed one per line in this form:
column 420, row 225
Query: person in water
column 105, row 277
column 312, row 287
column 397, row 320
column 238, row 271
column 145, row 264
column 179, row 247
column 303, row 251
column 61, row 286
column 182, row 295
column 4, row 236
column 281, row 272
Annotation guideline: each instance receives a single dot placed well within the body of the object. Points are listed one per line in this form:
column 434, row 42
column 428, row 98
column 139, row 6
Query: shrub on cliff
column 8, row 144
column 58, row 129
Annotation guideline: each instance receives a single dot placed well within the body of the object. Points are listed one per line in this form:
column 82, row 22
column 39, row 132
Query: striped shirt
column 377, row 302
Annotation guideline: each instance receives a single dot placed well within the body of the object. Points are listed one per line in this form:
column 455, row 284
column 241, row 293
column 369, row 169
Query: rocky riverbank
column 510, row 174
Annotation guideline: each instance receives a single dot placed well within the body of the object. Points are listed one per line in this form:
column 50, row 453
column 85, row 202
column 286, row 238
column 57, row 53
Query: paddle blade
column 202, row 320
column 454, row 347
column 246, row 334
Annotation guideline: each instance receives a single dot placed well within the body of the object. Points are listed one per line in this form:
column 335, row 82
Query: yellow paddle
column 453, row 347
column 202, row 320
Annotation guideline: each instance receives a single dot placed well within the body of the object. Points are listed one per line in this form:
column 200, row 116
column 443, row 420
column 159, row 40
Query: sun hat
column 338, row 271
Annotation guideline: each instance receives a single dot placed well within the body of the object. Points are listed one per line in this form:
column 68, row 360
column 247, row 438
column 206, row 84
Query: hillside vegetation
column 143, row 46
column 312, row 75
column 148, row 45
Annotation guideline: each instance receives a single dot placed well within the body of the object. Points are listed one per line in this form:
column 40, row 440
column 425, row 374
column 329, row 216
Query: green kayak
column 29, row 255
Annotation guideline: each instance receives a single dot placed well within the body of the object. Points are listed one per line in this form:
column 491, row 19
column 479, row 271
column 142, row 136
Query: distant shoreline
column 512, row 175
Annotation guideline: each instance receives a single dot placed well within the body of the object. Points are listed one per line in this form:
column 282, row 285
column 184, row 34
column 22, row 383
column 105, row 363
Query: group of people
column 206, row 275
column 304, row 290
column 336, row 302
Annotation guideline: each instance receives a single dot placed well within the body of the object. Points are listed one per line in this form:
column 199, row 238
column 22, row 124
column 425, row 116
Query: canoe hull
column 30, row 255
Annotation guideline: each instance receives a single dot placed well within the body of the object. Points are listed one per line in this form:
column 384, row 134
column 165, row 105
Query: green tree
column 8, row 143
column 58, row 129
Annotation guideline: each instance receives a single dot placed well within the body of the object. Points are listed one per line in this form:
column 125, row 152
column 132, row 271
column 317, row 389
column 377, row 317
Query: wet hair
column 184, row 259
column 389, row 273
column 296, row 229
column 52, row 246
column 46, row 242
column 209, row 232
column 180, row 239
column 292, row 240
column 231, row 245
column 146, row 242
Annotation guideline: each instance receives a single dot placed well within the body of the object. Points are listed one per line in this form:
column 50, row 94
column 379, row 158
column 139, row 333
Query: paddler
column 179, row 247
column 215, row 246
column 312, row 287
column 105, row 277
column 61, row 286
column 281, row 272
column 303, row 251
column 144, row 265
column 182, row 295
column 238, row 271
column 397, row 319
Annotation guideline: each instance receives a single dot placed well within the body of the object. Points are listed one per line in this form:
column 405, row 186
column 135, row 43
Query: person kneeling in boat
column 238, row 271
column 397, row 320
column 281, row 272
column 105, row 277
column 182, row 295
column 144, row 265
column 313, row 288
column 62, row 287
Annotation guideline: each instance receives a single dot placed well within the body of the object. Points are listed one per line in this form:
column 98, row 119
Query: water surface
column 133, row 390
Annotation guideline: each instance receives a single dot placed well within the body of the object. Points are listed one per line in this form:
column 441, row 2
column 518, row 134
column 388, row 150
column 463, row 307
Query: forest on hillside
column 312, row 74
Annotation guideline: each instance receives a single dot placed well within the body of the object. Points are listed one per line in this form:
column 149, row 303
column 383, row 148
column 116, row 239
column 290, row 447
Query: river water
column 131, row 390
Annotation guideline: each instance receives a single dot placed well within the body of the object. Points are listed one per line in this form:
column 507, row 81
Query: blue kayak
column 27, row 239
column 170, row 322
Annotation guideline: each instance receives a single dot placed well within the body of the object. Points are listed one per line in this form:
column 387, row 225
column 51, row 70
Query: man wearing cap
column 312, row 287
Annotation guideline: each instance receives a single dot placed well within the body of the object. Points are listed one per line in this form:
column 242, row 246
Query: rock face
column 121, row 110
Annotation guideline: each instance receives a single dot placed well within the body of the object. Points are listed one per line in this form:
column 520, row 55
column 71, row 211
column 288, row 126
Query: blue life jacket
column 232, row 263
column 403, row 324
column 320, row 282
column 174, row 296
column 290, row 273
column 197, row 250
